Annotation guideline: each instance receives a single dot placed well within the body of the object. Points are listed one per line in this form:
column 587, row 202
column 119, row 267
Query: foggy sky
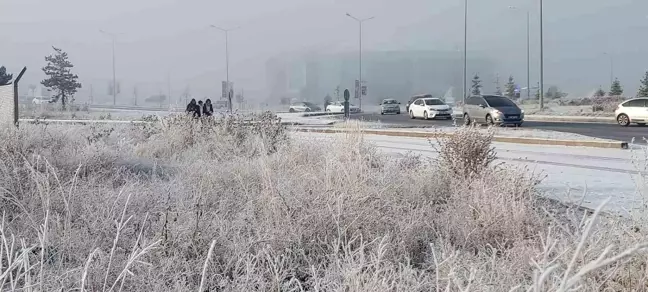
column 167, row 38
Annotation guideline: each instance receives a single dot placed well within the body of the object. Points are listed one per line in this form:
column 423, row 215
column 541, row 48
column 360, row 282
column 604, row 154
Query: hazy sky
column 167, row 38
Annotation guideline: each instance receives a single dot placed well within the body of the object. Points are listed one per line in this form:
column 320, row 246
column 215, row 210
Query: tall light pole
column 541, row 58
column 360, row 21
column 226, row 31
column 611, row 68
column 114, row 80
column 465, row 56
column 528, row 50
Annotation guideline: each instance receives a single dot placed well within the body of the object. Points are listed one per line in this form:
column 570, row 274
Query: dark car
column 415, row 97
column 492, row 110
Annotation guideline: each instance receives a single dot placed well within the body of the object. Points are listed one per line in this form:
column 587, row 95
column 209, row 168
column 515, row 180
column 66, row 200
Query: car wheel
column 425, row 115
column 307, row 110
column 382, row 113
column 398, row 112
column 328, row 110
column 411, row 113
column 292, row 110
column 489, row 120
column 623, row 120
column 467, row 120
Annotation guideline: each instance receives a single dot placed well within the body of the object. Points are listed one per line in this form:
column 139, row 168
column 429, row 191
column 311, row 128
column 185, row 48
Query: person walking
column 208, row 109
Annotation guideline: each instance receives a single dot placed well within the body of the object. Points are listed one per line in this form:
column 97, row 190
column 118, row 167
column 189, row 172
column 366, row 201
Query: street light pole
column 465, row 56
column 541, row 58
column 528, row 55
column 226, row 31
column 611, row 68
column 528, row 50
column 360, row 21
column 114, row 80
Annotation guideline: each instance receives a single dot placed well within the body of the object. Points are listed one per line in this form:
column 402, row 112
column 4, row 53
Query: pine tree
column 510, row 87
column 476, row 85
column 616, row 89
column 60, row 79
column 599, row 93
column 5, row 78
column 643, row 90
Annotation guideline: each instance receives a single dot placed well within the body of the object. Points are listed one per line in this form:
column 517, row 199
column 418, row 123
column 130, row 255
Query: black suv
column 415, row 97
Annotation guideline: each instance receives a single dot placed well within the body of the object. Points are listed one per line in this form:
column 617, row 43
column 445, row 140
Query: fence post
column 15, row 97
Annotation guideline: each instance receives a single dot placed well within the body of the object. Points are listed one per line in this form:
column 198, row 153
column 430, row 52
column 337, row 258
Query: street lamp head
column 355, row 18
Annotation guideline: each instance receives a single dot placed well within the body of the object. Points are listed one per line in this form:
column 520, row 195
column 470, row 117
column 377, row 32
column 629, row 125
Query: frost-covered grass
column 181, row 205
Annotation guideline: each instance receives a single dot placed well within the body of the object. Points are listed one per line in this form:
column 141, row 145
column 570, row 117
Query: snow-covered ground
column 298, row 118
column 572, row 173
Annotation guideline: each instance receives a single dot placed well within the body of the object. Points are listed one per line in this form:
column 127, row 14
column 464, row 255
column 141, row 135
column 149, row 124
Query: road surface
column 605, row 131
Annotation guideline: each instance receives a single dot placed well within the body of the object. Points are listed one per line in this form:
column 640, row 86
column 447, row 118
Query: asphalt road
column 605, row 131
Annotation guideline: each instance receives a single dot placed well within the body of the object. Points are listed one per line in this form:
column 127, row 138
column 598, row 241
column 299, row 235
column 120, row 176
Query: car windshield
column 308, row 104
column 497, row 101
column 433, row 102
column 390, row 101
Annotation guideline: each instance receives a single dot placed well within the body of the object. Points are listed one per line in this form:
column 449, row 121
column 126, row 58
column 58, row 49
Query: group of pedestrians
column 200, row 109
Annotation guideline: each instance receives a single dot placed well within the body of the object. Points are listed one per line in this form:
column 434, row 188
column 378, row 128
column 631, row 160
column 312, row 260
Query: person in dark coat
column 191, row 107
column 208, row 109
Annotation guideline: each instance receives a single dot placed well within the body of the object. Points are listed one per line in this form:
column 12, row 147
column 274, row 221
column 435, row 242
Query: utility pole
column 226, row 31
column 360, row 21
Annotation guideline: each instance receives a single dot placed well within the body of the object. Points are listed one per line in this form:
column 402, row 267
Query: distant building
column 389, row 74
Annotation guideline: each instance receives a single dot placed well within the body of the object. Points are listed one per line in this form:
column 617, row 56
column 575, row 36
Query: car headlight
column 498, row 113
column 522, row 111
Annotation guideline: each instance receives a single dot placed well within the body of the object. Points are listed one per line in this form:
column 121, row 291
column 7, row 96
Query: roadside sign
column 225, row 89
column 357, row 89
column 364, row 90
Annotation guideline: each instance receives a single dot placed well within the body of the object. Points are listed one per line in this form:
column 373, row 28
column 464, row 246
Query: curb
column 563, row 119
column 86, row 122
column 516, row 140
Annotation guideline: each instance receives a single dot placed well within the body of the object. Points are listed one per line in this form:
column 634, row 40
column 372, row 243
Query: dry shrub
column 466, row 152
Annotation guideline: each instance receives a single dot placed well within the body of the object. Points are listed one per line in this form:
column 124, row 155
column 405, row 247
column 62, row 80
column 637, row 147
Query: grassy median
column 229, row 205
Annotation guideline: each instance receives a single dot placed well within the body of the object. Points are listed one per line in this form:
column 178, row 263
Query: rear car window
column 433, row 102
column 635, row 103
column 499, row 101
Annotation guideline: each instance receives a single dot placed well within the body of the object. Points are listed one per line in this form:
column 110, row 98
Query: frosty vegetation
column 236, row 204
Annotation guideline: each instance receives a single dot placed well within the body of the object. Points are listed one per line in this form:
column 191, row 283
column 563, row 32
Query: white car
column 338, row 107
column 303, row 106
column 634, row 111
column 429, row 108
column 41, row 100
